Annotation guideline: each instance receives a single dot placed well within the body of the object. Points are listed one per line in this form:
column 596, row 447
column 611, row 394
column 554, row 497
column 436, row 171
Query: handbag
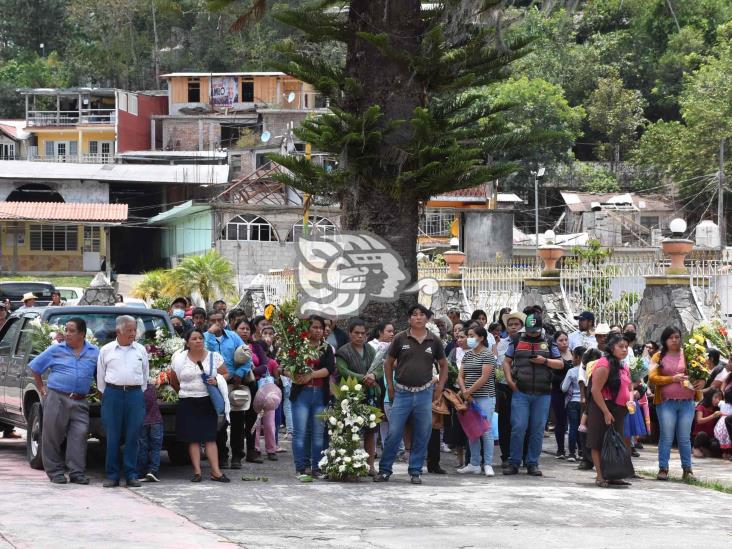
column 473, row 422
column 217, row 399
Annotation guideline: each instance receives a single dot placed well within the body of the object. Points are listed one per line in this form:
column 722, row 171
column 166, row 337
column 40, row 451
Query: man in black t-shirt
column 416, row 350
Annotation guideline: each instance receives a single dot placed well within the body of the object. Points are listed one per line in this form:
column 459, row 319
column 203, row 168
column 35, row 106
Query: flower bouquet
column 160, row 351
column 695, row 356
column 638, row 368
column 294, row 353
column 716, row 335
column 345, row 459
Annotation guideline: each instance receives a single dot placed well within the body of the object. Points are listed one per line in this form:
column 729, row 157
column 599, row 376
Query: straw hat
column 27, row 296
column 602, row 329
column 513, row 314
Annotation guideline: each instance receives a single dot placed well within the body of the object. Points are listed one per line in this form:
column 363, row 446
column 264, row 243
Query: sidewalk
column 35, row 513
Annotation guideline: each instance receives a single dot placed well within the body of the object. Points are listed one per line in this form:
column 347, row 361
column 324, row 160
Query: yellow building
column 71, row 125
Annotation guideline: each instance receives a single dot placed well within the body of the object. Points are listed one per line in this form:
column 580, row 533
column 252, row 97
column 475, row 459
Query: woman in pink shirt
column 674, row 402
column 610, row 389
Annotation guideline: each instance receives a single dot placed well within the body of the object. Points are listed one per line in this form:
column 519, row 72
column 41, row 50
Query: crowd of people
column 517, row 371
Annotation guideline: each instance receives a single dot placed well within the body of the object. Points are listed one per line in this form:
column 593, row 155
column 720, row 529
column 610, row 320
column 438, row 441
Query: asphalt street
column 562, row 509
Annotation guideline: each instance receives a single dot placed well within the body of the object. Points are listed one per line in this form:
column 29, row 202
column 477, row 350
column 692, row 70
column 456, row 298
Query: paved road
column 444, row 512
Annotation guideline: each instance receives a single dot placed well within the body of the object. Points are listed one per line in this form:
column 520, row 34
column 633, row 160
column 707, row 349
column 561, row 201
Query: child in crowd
column 720, row 429
column 635, row 423
column 151, row 435
column 707, row 413
column 573, row 400
column 239, row 370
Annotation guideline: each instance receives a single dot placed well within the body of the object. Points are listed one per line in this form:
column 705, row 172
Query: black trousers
column 433, row 450
column 240, row 431
column 503, row 408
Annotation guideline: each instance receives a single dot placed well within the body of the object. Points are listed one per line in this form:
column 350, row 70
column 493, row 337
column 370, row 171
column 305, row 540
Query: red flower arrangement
column 294, row 352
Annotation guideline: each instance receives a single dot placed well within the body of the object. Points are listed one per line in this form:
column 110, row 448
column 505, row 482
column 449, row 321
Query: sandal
column 196, row 478
column 601, row 483
column 223, row 478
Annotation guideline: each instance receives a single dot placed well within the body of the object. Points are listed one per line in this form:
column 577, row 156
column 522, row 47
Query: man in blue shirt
column 218, row 338
column 65, row 409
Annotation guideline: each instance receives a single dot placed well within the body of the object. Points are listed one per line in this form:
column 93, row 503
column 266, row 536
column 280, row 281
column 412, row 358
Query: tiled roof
column 479, row 193
column 63, row 211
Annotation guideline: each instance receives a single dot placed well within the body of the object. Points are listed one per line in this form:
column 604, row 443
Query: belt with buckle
column 72, row 396
column 413, row 389
column 124, row 387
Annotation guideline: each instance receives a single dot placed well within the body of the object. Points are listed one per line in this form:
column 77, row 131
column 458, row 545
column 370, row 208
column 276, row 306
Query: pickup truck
column 20, row 401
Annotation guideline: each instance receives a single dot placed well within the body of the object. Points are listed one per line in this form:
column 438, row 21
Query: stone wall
column 42, row 262
column 547, row 293
column 73, row 190
column 665, row 305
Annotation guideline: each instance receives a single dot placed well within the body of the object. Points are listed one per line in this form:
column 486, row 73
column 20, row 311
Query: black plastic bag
column 615, row 457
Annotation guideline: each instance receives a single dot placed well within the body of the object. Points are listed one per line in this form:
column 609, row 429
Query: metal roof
column 63, row 211
column 200, row 74
column 582, row 202
column 124, row 173
column 101, row 92
column 187, row 208
column 479, row 193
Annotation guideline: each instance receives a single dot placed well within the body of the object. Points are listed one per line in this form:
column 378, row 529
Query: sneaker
column 304, row 478
column 470, row 470
column 571, row 458
column 488, row 471
column 415, row 479
column 150, row 477
column 60, row 479
column 133, row 483
column 559, row 454
column 81, row 479
column 534, row 471
column 445, row 448
column 510, row 470
column 381, row 477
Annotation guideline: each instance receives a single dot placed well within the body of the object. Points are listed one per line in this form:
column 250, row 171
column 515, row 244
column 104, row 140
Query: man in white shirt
column 122, row 372
column 584, row 336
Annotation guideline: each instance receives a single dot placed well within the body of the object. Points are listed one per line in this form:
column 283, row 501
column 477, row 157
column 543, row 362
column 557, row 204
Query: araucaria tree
column 409, row 114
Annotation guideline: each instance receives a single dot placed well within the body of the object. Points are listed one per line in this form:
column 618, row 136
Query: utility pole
column 537, row 175
column 720, row 200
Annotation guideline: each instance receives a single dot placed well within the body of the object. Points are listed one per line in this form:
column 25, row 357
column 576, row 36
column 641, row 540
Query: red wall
column 133, row 132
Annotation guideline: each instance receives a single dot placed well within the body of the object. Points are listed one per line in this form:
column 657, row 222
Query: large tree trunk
column 390, row 84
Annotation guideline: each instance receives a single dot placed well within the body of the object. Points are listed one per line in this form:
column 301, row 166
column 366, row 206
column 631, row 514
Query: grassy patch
column 717, row 485
column 75, row 281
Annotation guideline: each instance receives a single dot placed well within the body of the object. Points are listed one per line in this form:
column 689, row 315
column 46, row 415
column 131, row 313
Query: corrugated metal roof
column 582, row 202
column 63, row 211
column 200, row 74
column 123, row 173
column 479, row 193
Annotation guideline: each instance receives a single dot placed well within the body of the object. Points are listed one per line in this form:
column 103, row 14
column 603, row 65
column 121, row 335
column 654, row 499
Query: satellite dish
column 265, row 136
column 290, row 97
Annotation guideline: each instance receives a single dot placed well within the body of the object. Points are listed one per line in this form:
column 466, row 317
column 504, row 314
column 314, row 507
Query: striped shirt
column 473, row 370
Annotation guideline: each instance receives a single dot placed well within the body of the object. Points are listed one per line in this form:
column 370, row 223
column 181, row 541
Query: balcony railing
column 66, row 158
column 71, row 118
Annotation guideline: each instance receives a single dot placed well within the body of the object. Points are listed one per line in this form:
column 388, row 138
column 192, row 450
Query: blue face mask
column 472, row 342
column 179, row 313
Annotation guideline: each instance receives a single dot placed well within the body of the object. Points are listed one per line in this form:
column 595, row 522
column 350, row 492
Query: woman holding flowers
column 674, row 401
column 309, row 395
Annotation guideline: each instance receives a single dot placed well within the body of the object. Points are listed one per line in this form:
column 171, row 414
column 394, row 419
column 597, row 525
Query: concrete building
column 14, row 139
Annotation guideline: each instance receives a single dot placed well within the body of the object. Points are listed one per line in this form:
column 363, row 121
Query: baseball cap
column 585, row 315
column 533, row 323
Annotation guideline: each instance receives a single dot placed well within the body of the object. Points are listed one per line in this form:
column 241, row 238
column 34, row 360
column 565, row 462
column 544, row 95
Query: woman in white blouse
column 196, row 420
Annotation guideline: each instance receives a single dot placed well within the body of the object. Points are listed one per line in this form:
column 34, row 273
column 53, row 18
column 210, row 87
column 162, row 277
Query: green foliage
column 595, row 179
column 209, row 275
column 592, row 254
column 154, row 285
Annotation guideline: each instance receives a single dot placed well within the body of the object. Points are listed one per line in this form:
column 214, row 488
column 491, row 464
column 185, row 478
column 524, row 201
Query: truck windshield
column 102, row 325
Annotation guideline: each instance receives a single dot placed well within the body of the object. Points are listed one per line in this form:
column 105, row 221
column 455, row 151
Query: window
column 650, row 222
column 123, row 101
column 251, row 228
column 53, row 238
column 194, row 90
column 106, row 147
column 100, row 147
column 92, row 239
column 7, row 151
column 11, row 333
column 132, row 103
column 318, row 226
column 93, row 147
column 247, row 91
column 436, row 222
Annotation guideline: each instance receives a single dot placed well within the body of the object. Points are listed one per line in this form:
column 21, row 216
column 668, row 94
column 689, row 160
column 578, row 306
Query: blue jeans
column 488, row 405
column 574, row 414
column 122, row 415
column 419, row 407
column 308, row 431
column 675, row 418
column 286, row 404
column 148, row 453
column 528, row 412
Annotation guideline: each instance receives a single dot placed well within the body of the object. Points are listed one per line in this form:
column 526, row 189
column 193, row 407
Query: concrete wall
column 71, row 191
column 275, row 121
column 487, row 235
column 134, row 130
column 197, row 134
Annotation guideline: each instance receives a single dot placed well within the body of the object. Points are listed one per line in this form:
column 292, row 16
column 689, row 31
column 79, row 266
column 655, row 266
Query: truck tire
column 33, row 440
column 178, row 453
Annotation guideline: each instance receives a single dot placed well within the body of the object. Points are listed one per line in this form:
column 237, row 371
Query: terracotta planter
column 550, row 254
column 677, row 249
column 454, row 260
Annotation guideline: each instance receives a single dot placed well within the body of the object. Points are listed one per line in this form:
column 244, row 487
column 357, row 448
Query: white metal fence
column 611, row 289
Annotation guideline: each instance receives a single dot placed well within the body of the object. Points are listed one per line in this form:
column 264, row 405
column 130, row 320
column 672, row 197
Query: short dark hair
column 235, row 313
column 316, row 318
column 240, row 322
column 190, row 332
column 214, row 312
column 494, row 326
column 199, row 311
column 590, row 355
column 713, row 355
column 80, row 324
column 579, row 351
column 256, row 320
column 419, row 307
column 355, row 323
column 477, row 313
column 56, row 292
column 213, row 305
column 480, row 332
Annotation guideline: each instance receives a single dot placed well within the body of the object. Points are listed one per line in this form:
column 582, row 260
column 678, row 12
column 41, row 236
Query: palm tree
column 208, row 274
column 155, row 284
